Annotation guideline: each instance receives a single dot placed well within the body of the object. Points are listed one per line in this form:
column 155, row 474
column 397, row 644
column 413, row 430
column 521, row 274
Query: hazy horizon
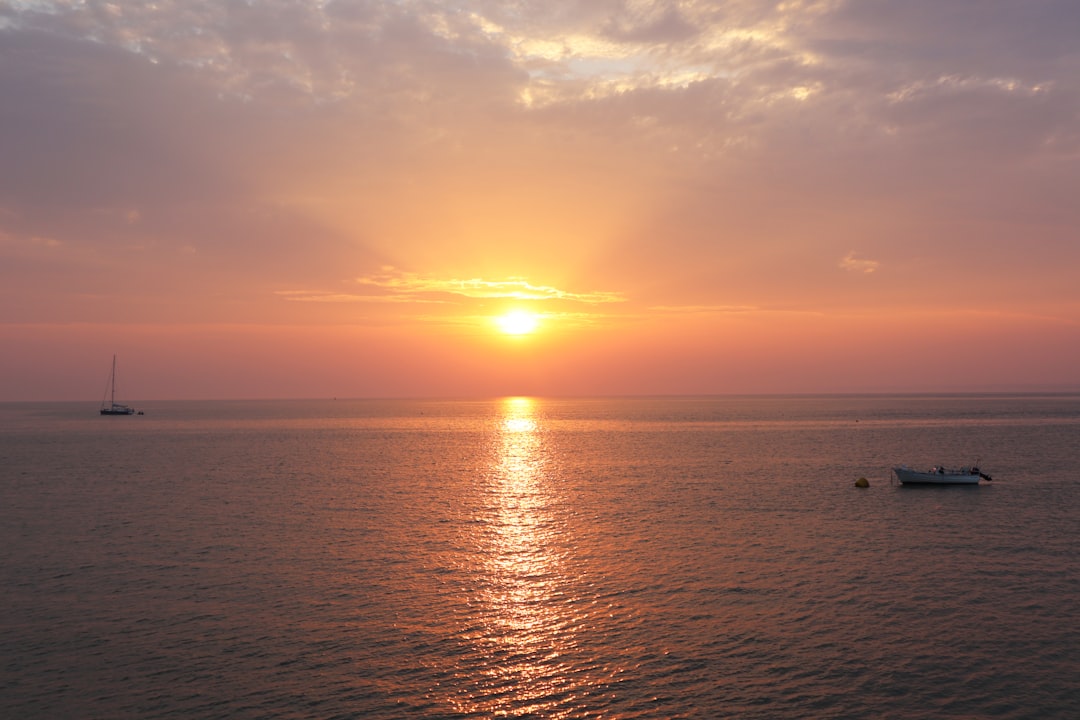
column 1035, row 390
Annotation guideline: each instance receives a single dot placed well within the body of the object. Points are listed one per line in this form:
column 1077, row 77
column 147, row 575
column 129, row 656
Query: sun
column 518, row 322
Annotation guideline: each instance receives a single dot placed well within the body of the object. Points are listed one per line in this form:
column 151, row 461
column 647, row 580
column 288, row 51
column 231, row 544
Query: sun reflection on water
column 523, row 629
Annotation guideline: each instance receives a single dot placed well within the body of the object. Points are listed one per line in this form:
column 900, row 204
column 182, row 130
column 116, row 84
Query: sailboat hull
column 115, row 408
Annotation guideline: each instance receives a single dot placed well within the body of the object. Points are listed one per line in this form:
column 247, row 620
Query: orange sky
column 317, row 199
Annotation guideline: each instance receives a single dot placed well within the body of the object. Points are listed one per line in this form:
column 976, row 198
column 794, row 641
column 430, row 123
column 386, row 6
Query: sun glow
column 518, row 322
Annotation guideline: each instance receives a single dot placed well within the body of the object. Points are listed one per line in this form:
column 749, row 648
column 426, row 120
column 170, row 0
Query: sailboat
column 114, row 408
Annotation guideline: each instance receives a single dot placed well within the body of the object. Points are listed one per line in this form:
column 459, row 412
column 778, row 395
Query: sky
column 321, row 198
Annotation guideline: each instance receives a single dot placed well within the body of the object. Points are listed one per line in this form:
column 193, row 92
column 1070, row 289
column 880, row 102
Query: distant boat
column 939, row 476
column 113, row 407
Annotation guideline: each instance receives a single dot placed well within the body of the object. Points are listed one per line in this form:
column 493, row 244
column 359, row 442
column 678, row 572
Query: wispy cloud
column 326, row 296
column 394, row 286
column 704, row 309
column 853, row 263
column 394, row 283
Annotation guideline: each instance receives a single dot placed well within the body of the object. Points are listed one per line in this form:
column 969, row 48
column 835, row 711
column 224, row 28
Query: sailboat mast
column 113, row 408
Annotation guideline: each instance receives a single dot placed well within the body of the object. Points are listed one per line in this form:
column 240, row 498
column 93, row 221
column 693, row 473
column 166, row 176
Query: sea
column 688, row 557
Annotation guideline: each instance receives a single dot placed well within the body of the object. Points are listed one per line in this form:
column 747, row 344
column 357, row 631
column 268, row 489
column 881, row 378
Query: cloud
column 705, row 309
column 325, row 296
column 397, row 283
column 853, row 263
column 649, row 22
column 393, row 286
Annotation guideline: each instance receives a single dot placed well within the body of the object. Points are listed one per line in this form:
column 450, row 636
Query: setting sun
column 518, row 322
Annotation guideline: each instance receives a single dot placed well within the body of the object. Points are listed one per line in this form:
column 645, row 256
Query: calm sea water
column 637, row 558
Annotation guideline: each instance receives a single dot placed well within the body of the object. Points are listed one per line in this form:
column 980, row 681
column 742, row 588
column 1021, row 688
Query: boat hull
column 907, row 476
column 115, row 408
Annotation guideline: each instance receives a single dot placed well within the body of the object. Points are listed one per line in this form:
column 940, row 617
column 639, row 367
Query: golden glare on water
column 518, row 322
column 523, row 630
